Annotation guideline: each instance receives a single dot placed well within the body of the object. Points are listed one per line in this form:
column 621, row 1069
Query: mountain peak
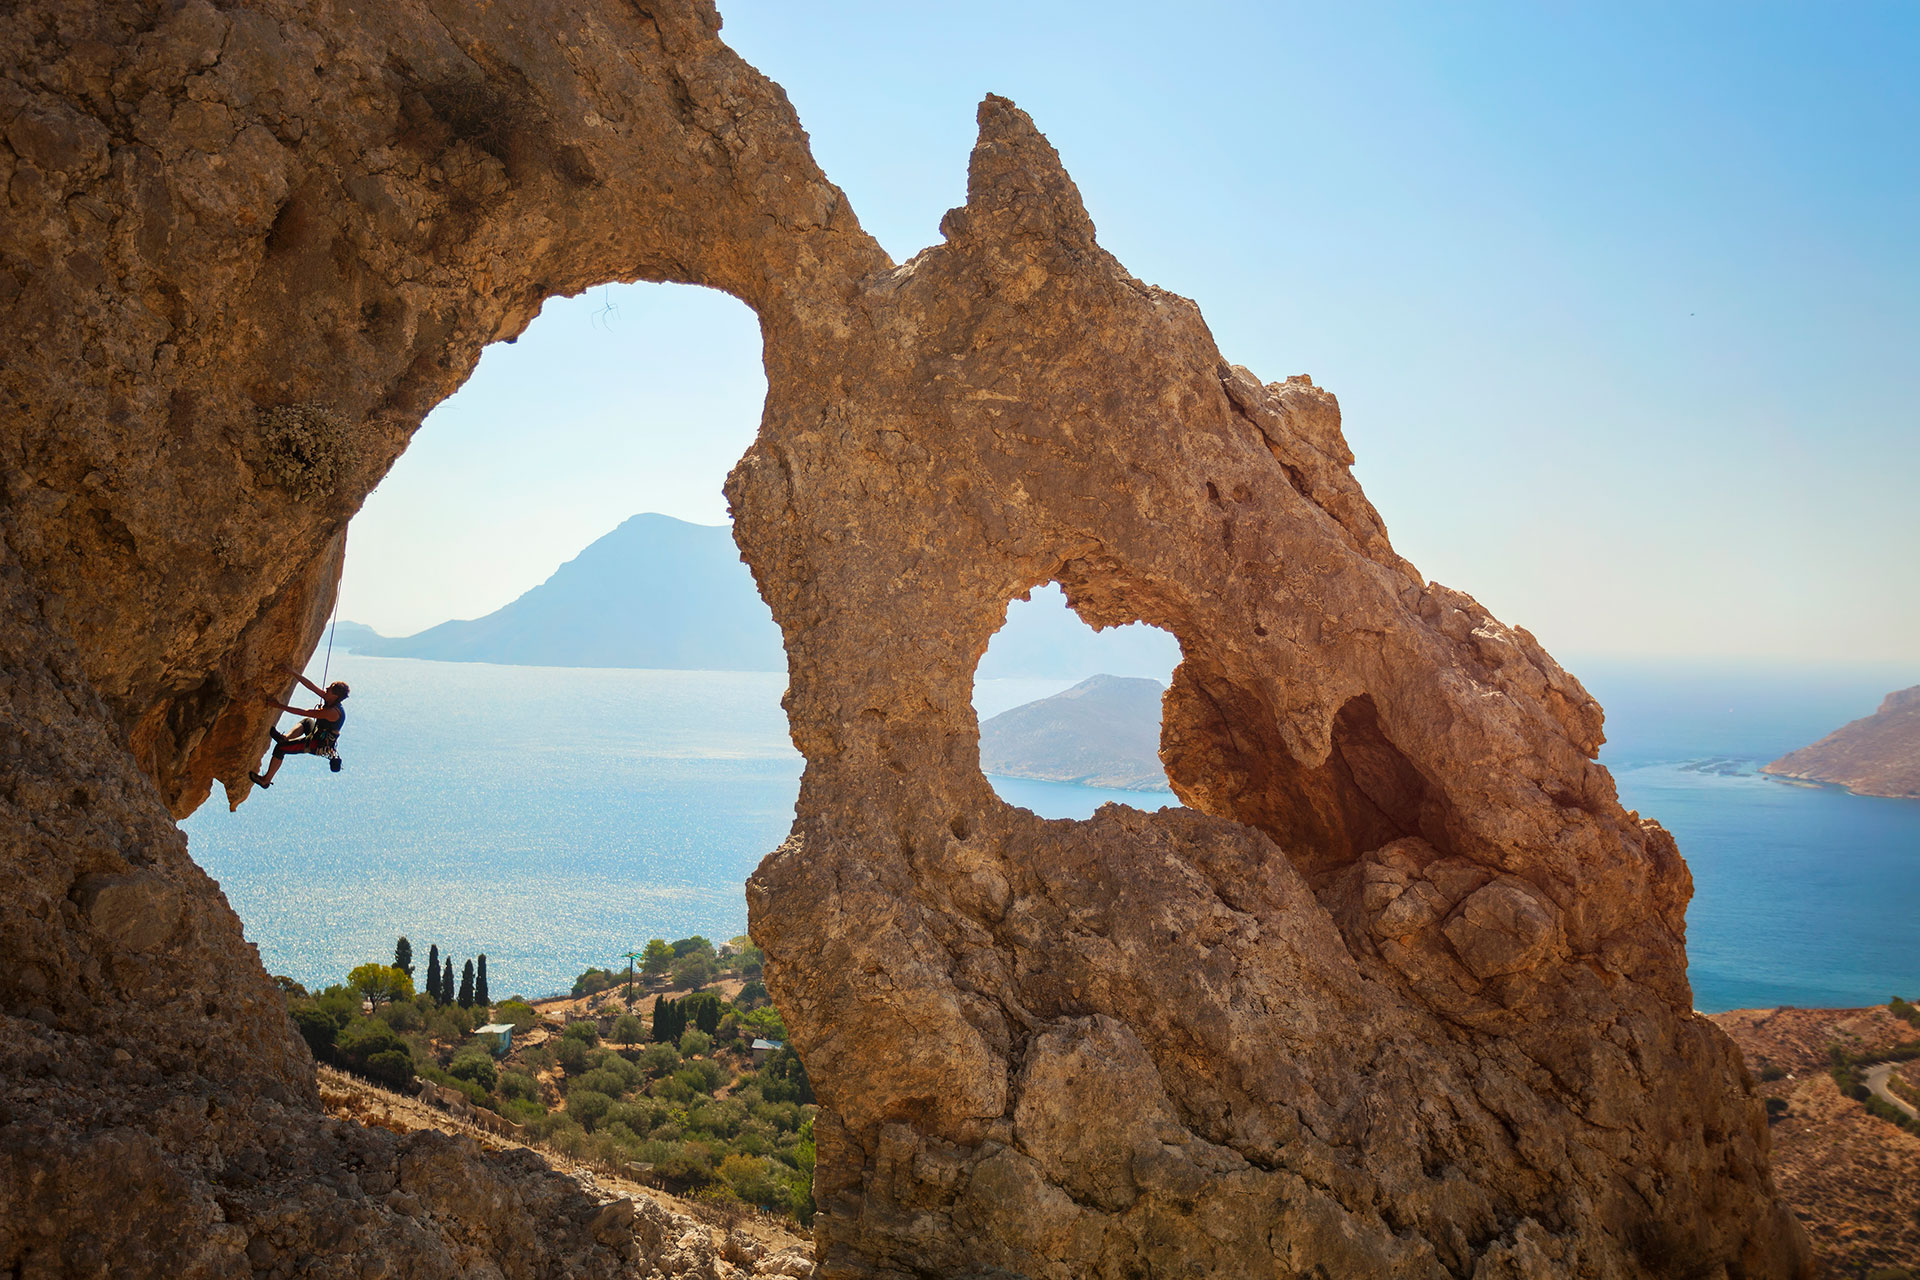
column 1103, row 732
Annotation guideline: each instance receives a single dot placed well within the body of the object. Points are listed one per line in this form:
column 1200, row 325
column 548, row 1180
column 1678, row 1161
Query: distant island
column 656, row 592
column 1875, row 756
column 1103, row 732
column 659, row 592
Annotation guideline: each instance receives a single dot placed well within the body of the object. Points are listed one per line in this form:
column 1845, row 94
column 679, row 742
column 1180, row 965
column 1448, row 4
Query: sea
column 555, row 818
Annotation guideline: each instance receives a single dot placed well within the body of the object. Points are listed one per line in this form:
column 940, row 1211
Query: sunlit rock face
column 1401, row 994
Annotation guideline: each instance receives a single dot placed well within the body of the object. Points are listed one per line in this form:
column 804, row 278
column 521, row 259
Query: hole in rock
column 1366, row 793
column 1070, row 716
column 564, row 734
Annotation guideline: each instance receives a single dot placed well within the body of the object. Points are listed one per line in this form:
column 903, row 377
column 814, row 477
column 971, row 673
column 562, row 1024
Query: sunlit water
column 554, row 818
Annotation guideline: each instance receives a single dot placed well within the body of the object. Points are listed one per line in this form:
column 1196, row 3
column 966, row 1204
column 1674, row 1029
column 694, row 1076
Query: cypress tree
column 403, row 956
column 446, row 981
column 660, row 1016
column 466, row 985
column 480, row 984
column 433, row 973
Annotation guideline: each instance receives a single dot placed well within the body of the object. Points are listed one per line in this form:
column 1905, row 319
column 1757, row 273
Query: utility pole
column 630, row 955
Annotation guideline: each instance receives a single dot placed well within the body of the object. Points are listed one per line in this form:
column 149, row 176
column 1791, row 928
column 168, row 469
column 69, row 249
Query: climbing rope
column 328, row 665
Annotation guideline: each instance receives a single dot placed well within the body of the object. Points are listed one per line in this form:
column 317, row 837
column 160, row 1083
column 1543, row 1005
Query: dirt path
column 1876, row 1080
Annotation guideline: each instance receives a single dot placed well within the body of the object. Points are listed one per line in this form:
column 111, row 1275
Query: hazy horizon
column 1620, row 305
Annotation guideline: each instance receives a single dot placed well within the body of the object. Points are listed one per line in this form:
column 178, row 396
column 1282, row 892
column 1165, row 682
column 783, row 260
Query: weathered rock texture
column 1876, row 755
column 1403, row 995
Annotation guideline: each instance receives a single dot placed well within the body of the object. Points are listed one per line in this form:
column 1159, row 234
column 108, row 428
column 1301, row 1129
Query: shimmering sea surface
column 554, row 817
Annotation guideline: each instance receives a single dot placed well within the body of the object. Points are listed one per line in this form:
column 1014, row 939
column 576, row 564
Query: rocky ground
column 1852, row 1179
column 676, row 1238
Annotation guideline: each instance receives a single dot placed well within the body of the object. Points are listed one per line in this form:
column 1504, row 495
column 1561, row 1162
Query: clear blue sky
column 1621, row 301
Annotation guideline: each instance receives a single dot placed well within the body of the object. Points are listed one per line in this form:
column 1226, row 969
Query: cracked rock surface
column 1402, row 992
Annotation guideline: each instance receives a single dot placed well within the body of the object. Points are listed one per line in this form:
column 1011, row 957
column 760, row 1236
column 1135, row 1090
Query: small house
column 764, row 1049
column 502, row 1036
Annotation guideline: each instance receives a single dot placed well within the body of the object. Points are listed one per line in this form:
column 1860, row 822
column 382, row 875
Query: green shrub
column 685, row 1163
column 1887, row 1111
column 402, row 1015
column 317, row 1027
column 584, row 1031
column 587, row 1106
column 341, row 1003
column 467, row 1089
column 1773, row 1071
column 363, row 1038
column 640, row 1117
column 518, row 1084
column 450, row 1023
column 627, row 1029
column 744, row 957
column 391, row 1067
column 784, row 1079
column 752, row 1178
column 765, row 1023
column 475, row 1065
column 592, row 981
column 695, row 1080
column 721, row 1117
column 598, row 1080
column 554, row 1122
column 783, row 1117
column 694, row 970
column 673, row 1089
column 613, row 1060
column 527, row 1111
column 572, row 1055
column 519, row 1013
column 695, row 1043
column 752, row 995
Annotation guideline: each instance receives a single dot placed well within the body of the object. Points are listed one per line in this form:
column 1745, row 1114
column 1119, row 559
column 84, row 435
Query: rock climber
column 317, row 732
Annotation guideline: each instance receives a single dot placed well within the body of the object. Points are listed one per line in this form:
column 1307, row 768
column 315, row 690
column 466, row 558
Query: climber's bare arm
column 297, row 674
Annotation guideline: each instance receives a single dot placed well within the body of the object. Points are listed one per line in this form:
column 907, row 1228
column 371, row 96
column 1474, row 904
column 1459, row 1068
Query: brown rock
column 1402, row 993
column 1876, row 755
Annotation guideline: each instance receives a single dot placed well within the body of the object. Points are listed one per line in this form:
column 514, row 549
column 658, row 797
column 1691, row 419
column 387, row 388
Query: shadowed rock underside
column 1402, row 993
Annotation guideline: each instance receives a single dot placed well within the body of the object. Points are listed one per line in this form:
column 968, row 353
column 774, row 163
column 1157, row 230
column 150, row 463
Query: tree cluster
column 468, row 991
column 672, row 1018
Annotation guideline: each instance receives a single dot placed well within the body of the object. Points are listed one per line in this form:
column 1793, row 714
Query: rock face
column 1877, row 755
column 1103, row 732
column 1402, row 994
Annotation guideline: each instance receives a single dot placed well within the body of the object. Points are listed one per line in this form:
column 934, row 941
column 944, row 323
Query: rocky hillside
column 1851, row 1178
column 1878, row 755
column 1103, row 732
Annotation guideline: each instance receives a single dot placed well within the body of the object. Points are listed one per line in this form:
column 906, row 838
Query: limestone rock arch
column 1402, row 994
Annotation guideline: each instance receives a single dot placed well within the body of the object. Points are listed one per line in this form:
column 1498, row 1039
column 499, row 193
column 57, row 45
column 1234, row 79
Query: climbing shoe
column 334, row 764
column 259, row 781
